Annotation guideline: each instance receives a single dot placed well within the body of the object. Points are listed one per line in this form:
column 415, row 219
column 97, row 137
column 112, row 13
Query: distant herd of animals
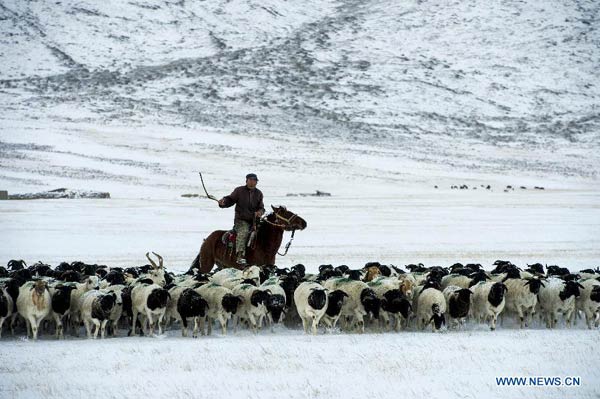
column 42, row 300
column 489, row 187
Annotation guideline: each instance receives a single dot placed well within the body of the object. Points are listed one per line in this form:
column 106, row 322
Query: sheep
column 371, row 273
column 12, row 286
column 90, row 283
column 335, row 302
column 393, row 301
column 149, row 300
column 277, row 300
column 191, row 304
column 463, row 281
column 361, row 300
column 458, row 303
column 34, row 304
column 558, row 296
column 222, row 304
column 425, row 284
column 231, row 277
column 407, row 284
column 488, row 301
column 522, row 297
column 117, row 311
column 431, row 308
column 6, row 307
column 311, row 303
column 61, row 305
column 171, row 311
column 251, row 273
column 253, row 308
column 228, row 278
column 96, row 307
column 589, row 301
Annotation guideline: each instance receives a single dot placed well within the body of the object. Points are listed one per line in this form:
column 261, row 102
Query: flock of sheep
column 150, row 299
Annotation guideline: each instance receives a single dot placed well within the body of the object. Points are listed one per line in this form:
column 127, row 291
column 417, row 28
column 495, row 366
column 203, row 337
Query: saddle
column 228, row 239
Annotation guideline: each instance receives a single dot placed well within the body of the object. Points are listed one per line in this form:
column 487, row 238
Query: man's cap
column 251, row 176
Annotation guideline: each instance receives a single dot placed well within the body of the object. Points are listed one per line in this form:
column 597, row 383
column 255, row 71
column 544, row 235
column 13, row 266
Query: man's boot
column 241, row 259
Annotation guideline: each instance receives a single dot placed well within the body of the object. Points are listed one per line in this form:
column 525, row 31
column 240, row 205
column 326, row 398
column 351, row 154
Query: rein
column 288, row 245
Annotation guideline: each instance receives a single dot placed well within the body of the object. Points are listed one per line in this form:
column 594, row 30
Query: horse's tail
column 196, row 262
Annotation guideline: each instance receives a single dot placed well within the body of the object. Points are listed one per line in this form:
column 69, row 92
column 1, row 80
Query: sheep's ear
column 580, row 286
column 527, row 283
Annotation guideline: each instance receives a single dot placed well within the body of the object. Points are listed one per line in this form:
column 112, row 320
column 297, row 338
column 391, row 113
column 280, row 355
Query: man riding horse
column 249, row 206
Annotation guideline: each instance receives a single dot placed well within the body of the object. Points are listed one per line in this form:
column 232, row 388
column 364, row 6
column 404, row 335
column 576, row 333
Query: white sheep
column 171, row 310
column 150, row 301
column 222, row 304
column 311, row 303
column 228, row 278
column 558, row 296
column 361, row 300
column 431, row 309
column 277, row 300
column 589, row 301
column 96, row 307
column 521, row 298
column 488, row 301
column 253, row 308
column 90, row 283
column 34, row 304
column 252, row 273
column 117, row 311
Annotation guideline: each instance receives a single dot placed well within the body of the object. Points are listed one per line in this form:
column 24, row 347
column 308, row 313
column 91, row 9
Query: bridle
column 287, row 221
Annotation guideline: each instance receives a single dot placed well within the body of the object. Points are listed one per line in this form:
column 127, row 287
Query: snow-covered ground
column 286, row 363
column 376, row 102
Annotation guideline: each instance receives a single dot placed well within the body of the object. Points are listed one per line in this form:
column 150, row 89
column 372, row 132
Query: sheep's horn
column 160, row 259
column 151, row 261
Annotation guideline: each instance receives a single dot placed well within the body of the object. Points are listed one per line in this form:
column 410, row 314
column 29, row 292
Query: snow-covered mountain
column 431, row 81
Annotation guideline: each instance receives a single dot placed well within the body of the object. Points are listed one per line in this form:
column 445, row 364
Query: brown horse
column 268, row 240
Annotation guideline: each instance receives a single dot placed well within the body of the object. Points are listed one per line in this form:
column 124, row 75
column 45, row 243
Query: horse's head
column 288, row 219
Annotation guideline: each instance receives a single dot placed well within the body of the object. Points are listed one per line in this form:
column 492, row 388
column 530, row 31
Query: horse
column 267, row 242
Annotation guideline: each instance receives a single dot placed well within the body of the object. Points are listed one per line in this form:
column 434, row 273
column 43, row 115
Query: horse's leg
column 207, row 254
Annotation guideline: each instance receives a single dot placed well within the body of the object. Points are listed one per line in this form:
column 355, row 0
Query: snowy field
column 286, row 363
column 376, row 102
